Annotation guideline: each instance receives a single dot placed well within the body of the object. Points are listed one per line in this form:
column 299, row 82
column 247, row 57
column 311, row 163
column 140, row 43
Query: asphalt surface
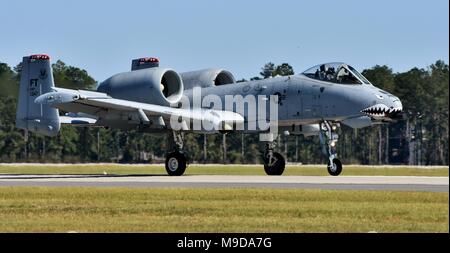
column 396, row 183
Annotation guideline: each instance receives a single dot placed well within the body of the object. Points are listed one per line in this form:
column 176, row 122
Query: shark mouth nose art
column 381, row 110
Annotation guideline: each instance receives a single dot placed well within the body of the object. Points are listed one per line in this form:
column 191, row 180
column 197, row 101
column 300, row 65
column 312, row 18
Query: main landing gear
column 328, row 141
column 176, row 161
column 274, row 162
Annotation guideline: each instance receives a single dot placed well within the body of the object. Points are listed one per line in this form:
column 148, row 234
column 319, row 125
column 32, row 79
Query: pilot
column 316, row 75
column 341, row 75
column 346, row 77
column 322, row 73
column 330, row 74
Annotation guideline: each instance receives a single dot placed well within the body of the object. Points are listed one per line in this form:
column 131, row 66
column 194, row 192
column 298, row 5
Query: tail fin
column 36, row 79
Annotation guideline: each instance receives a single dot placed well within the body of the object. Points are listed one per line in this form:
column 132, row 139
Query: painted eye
column 379, row 96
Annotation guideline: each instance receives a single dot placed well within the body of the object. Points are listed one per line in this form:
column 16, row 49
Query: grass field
column 40, row 209
column 307, row 170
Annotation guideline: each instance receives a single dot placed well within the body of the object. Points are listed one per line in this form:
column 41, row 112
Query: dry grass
column 41, row 209
column 307, row 170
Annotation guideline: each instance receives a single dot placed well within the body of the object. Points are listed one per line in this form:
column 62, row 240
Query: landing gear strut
column 274, row 162
column 328, row 141
column 176, row 161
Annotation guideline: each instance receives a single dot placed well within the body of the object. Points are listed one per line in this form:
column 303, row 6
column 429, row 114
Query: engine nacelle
column 206, row 78
column 156, row 85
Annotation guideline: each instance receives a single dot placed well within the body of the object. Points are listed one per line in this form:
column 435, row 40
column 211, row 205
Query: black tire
column 276, row 169
column 175, row 163
column 338, row 167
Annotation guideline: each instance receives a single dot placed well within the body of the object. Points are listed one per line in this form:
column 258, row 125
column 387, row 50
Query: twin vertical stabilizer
column 36, row 79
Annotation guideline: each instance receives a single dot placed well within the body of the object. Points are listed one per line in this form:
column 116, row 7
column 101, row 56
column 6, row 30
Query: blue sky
column 103, row 36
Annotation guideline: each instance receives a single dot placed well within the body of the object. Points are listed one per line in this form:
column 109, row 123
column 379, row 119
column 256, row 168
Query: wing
column 100, row 104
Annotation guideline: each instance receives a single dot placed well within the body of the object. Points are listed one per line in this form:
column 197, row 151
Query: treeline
column 421, row 139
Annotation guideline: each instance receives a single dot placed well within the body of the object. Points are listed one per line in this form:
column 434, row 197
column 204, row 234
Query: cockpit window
column 336, row 73
column 360, row 76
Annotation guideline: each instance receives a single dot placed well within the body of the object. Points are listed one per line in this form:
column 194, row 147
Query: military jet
column 160, row 100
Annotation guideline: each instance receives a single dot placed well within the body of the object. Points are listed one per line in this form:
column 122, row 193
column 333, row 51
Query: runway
column 395, row 183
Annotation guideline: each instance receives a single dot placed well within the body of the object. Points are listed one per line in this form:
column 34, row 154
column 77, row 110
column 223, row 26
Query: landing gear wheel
column 275, row 167
column 336, row 168
column 175, row 163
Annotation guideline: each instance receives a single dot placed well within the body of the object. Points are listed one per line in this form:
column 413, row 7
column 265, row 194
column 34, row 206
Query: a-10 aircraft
column 159, row 100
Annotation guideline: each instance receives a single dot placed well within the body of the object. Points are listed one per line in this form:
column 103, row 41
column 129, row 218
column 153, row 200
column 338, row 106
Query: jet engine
column 155, row 85
column 206, row 78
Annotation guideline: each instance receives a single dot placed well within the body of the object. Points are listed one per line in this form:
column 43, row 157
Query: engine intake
column 151, row 85
column 206, row 78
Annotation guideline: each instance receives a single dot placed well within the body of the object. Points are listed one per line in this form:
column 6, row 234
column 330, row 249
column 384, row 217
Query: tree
column 267, row 70
column 283, row 70
column 9, row 85
column 380, row 76
column 71, row 77
column 435, row 113
column 18, row 70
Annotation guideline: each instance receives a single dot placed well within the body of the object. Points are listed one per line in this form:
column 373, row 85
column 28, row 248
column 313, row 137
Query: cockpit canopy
column 336, row 72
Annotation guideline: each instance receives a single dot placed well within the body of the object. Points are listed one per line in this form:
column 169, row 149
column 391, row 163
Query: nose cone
column 387, row 107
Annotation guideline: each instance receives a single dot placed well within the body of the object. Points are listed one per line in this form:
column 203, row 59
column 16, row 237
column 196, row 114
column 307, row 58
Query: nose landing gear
column 334, row 168
column 328, row 141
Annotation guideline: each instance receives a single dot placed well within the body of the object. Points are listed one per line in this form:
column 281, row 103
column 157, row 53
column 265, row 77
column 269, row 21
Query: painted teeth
column 380, row 110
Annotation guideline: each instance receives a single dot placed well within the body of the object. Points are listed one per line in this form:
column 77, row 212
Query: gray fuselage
column 303, row 100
